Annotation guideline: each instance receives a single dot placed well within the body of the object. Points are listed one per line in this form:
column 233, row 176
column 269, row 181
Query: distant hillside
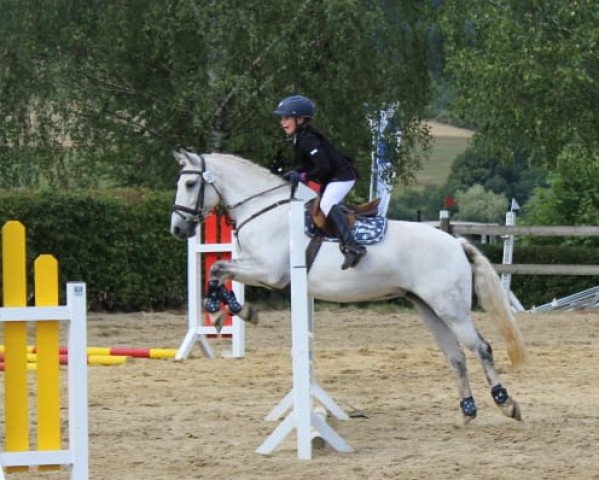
column 444, row 130
column 448, row 143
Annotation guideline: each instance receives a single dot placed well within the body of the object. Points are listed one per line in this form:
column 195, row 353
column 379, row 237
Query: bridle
column 198, row 215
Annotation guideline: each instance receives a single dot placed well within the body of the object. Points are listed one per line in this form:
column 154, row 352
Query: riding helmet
column 295, row 106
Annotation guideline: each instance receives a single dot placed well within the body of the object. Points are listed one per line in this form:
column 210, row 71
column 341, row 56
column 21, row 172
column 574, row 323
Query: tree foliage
column 417, row 205
column 100, row 92
column 525, row 73
column 572, row 196
column 514, row 180
column 479, row 205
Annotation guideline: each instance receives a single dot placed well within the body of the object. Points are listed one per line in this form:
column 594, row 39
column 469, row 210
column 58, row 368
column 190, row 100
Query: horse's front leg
column 217, row 293
column 213, row 304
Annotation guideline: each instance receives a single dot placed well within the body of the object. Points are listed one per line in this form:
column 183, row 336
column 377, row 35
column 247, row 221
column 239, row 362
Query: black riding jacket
column 319, row 159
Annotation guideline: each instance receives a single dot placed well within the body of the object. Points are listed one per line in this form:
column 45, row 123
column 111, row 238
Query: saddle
column 366, row 225
column 369, row 209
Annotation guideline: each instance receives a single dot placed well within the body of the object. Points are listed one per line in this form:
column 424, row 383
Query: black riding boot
column 352, row 251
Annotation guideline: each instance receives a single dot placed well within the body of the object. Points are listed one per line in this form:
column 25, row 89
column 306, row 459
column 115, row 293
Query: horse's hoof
column 468, row 407
column 249, row 314
column 506, row 404
column 218, row 269
column 318, row 443
column 212, row 305
column 511, row 409
column 466, row 419
column 218, row 320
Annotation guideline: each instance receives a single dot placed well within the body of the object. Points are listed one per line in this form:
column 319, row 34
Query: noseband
column 196, row 215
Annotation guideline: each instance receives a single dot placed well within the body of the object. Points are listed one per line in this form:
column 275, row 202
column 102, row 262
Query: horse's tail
column 494, row 301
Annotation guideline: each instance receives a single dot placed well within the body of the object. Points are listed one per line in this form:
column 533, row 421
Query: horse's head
column 196, row 194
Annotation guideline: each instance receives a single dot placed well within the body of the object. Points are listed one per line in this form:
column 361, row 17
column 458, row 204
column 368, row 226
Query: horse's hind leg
column 454, row 354
column 466, row 333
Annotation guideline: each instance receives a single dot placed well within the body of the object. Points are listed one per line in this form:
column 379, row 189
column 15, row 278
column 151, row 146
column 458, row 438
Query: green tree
column 417, row 205
column 100, row 92
column 572, row 196
column 525, row 73
column 514, row 180
column 479, row 205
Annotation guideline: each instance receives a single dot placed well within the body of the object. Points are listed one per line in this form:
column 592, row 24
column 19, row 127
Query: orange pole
column 225, row 236
column 210, row 234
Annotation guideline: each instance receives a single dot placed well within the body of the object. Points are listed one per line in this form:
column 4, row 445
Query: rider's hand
column 294, row 176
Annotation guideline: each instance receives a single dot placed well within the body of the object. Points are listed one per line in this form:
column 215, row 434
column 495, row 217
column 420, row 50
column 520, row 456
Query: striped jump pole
column 63, row 359
column 102, row 355
column 305, row 416
column 16, row 453
column 213, row 241
column 133, row 352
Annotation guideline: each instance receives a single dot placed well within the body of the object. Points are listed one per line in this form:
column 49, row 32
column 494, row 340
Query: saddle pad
column 366, row 230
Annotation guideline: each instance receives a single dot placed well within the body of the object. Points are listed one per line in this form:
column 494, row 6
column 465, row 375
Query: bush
column 571, row 198
column 479, row 205
column 413, row 205
column 540, row 289
column 117, row 242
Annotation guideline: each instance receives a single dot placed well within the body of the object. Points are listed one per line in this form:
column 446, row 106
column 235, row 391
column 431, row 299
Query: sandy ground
column 203, row 419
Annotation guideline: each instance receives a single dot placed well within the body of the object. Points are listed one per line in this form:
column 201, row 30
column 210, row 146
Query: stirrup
column 352, row 256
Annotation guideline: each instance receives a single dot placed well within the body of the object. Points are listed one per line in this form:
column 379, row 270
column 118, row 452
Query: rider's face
column 289, row 124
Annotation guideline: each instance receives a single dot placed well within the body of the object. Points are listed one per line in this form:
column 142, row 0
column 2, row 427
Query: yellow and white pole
column 47, row 343
column 14, row 294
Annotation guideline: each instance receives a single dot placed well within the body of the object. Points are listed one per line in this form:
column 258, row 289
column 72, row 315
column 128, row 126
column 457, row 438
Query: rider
column 319, row 161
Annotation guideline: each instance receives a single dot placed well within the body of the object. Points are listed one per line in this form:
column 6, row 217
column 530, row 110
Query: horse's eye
column 191, row 183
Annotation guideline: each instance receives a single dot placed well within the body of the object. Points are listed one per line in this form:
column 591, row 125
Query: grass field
column 437, row 167
column 448, row 143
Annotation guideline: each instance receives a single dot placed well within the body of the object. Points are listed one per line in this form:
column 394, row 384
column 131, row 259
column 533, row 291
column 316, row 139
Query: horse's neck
column 239, row 181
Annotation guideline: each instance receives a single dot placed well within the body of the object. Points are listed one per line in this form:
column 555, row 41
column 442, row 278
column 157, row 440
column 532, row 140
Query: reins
column 260, row 212
column 256, row 195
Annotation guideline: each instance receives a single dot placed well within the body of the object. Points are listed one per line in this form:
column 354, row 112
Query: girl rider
column 319, row 161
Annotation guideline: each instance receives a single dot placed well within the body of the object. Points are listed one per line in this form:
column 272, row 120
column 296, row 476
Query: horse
column 434, row 270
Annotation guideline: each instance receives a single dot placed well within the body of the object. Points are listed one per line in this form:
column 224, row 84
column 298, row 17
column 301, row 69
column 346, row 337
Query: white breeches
column 334, row 194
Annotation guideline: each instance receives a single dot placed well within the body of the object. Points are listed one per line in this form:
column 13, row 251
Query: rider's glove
column 294, row 177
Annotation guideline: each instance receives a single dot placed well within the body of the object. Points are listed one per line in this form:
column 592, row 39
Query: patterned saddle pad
column 366, row 230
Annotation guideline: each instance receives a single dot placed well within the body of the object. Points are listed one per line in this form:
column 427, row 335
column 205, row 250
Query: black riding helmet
column 295, row 106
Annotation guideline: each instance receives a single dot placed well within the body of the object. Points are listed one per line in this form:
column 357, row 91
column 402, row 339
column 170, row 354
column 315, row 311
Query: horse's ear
column 179, row 158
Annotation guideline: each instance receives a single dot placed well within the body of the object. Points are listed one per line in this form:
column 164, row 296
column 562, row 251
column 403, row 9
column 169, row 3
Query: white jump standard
column 303, row 417
column 197, row 331
column 76, row 456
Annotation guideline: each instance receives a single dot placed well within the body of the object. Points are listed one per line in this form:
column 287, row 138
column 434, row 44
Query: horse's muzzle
column 181, row 228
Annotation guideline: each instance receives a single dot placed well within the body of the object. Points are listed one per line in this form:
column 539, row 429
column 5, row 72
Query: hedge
column 119, row 243
column 537, row 290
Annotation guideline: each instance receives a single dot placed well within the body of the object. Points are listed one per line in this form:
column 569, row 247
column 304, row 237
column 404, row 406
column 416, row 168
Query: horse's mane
column 245, row 164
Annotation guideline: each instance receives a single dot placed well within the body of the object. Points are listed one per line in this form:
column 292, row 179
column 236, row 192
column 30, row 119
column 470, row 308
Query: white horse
column 432, row 269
